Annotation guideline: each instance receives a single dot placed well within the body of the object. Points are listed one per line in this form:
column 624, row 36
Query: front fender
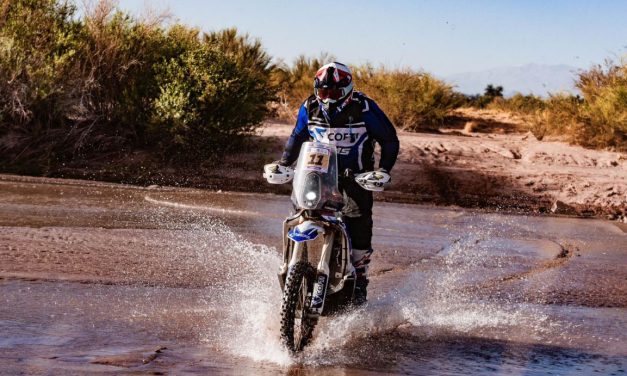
column 308, row 230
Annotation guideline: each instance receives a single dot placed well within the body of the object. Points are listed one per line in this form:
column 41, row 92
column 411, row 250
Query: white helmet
column 275, row 173
column 374, row 180
column 333, row 85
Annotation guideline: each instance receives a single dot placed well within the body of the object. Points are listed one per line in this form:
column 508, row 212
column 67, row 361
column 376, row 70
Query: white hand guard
column 374, row 180
column 275, row 173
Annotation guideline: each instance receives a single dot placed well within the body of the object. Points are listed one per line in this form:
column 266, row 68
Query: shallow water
column 103, row 278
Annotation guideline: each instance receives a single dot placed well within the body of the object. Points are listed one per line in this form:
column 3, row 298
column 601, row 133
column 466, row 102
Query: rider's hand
column 374, row 180
column 383, row 174
column 277, row 173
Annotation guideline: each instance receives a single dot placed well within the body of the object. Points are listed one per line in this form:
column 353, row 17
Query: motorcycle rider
column 336, row 114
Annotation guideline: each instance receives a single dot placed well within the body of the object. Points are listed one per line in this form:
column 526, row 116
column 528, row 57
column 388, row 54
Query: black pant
column 357, row 213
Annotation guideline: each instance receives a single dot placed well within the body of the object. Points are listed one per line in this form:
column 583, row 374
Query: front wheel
column 296, row 327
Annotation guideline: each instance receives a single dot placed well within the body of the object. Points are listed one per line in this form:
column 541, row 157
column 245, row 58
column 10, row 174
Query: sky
column 440, row 37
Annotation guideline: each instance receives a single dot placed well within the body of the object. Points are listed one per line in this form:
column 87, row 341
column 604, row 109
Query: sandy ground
column 99, row 278
column 508, row 170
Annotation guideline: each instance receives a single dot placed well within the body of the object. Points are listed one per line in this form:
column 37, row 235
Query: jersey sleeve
column 299, row 135
column 384, row 133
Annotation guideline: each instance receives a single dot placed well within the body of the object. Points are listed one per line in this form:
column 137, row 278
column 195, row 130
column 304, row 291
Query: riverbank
column 496, row 168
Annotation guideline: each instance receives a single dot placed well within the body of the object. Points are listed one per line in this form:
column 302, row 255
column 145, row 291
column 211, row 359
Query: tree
column 492, row 91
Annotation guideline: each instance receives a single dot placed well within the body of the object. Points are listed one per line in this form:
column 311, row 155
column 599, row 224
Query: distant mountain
column 527, row 79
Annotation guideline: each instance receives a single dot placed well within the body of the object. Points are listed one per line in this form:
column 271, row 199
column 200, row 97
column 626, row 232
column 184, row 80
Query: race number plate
column 317, row 159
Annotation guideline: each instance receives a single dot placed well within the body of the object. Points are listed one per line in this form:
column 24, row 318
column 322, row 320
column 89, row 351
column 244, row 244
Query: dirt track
column 507, row 171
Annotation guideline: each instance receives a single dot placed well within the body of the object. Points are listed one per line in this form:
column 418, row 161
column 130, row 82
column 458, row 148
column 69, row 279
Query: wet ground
column 110, row 279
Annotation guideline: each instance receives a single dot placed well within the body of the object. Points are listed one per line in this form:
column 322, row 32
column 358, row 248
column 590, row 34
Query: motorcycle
column 316, row 276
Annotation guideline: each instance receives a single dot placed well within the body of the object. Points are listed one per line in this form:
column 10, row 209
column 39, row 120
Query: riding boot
column 361, row 293
column 360, row 259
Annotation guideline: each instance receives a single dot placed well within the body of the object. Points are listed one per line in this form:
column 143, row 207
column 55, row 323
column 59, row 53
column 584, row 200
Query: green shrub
column 248, row 53
column 597, row 119
column 38, row 42
column 205, row 101
column 73, row 85
column 108, row 82
column 604, row 115
column 251, row 58
column 412, row 100
column 295, row 82
column 114, row 75
column 518, row 104
column 557, row 116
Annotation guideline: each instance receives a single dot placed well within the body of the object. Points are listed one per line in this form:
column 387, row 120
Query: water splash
column 249, row 295
column 423, row 303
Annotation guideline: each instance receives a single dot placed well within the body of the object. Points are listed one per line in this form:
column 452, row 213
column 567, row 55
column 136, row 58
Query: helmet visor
column 333, row 94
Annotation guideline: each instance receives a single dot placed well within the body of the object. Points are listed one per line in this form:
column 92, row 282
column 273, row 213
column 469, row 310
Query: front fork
column 322, row 276
column 321, row 285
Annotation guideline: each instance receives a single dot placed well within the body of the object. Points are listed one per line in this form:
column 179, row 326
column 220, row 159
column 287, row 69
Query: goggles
column 332, row 94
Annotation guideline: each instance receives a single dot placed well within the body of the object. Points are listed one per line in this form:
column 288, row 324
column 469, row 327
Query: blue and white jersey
column 354, row 131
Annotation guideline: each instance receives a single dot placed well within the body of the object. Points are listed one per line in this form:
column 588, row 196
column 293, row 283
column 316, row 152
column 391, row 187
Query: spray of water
column 423, row 303
column 247, row 293
column 427, row 304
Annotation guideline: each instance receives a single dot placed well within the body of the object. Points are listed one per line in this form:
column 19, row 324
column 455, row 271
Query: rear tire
column 296, row 327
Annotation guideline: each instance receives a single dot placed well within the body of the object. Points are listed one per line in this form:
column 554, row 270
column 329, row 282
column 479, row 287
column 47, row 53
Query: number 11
column 316, row 159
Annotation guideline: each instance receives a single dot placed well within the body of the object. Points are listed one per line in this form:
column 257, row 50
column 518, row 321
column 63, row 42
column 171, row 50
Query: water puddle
column 100, row 278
